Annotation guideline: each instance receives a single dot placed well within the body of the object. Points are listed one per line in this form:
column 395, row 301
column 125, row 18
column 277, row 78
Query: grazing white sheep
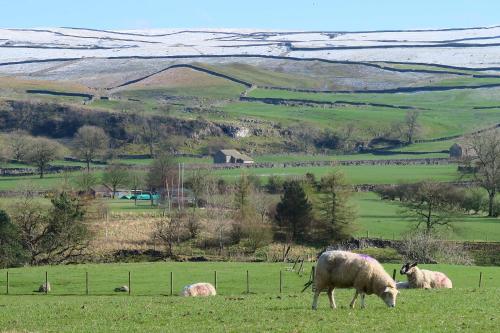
column 341, row 269
column 422, row 278
column 199, row 289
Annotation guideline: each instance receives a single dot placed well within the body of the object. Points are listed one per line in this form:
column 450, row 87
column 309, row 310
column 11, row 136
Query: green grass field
column 149, row 308
column 364, row 174
column 355, row 174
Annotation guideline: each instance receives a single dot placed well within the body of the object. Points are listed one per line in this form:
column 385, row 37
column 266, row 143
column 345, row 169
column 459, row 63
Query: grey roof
column 236, row 154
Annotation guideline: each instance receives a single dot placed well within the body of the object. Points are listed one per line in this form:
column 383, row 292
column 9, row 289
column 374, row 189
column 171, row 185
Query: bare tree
column 411, row 125
column 115, row 175
column 170, row 231
column 150, row 133
column 162, row 173
column 85, row 181
column 486, row 159
column 432, row 204
column 90, row 143
column 42, row 152
column 18, row 144
column 136, row 182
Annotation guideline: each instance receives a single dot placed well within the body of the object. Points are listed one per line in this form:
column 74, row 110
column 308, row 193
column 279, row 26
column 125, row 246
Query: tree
column 162, row 173
column 293, row 212
column 18, row 144
column 136, row 182
column 42, row 152
column 411, row 125
column 90, row 142
column 11, row 250
column 334, row 208
column 55, row 235
column 85, row 181
column 432, row 204
column 170, row 230
column 244, row 211
column 115, row 175
column 486, row 157
column 150, row 133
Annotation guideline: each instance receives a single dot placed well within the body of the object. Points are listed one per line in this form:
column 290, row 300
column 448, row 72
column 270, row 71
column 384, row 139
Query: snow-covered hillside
column 474, row 47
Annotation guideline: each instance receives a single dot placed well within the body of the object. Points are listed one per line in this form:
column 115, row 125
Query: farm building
column 105, row 191
column 231, row 156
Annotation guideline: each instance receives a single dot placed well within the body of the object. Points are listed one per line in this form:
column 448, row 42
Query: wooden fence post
column 46, row 282
column 86, row 283
column 281, row 281
column 248, row 283
column 301, row 265
column 215, row 280
column 480, row 278
column 394, row 274
column 129, row 284
column 313, row 271
column 171, row 283
column 7, row 286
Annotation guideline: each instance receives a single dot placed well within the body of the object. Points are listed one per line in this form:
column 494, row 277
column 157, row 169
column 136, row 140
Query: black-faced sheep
column 341, row 269
column 422, row 278
column 199, row 289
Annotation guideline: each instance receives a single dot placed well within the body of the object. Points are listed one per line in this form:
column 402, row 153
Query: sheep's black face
column 406, row 267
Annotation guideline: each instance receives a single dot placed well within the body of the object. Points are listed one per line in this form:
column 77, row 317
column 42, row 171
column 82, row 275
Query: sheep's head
column 389, row 296
column 407, row 268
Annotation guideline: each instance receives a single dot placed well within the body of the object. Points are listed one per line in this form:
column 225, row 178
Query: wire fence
column 290, row 279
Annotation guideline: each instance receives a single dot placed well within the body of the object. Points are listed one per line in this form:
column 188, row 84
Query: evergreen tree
column 334, row 210
column 293, row 212
column 11, row 250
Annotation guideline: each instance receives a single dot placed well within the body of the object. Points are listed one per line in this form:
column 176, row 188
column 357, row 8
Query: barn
column 232, row 156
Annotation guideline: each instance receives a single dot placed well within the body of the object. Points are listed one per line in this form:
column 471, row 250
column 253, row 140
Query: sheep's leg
column 315, row 300
column 331, row 298
column 363, row 300
column 353, row 302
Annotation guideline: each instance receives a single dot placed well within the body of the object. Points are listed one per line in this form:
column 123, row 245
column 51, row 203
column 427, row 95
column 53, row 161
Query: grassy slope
column 464, row 308
column 449, row 112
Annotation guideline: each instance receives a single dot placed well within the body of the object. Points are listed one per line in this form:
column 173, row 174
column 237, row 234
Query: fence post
column 248, row 283
column 129, row 286
column 313, row 286
column 394, row 274
column 281, row 281
column 46, row 282
column 480, row 278
column 171, row 283
column 301, row 264
column 86, row 283
column 215, row 280
column 7, row 283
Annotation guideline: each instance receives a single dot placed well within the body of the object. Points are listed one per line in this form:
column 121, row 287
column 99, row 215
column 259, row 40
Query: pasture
column 150, row 308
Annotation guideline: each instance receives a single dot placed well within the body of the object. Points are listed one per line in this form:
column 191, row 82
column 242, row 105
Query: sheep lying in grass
column 422, row 278
column 341, row 269
column 199, row 289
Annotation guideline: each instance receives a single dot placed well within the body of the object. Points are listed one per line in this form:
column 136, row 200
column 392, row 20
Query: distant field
column 364, row 174
column 357, row 174
column 382, row 219
column 302, row 157
column 464, row 308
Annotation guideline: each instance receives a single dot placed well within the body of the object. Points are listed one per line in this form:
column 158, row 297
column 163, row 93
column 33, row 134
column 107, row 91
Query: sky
column 331, row 15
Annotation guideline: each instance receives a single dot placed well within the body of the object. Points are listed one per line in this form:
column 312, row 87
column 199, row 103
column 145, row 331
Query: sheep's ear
column 414, row 264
